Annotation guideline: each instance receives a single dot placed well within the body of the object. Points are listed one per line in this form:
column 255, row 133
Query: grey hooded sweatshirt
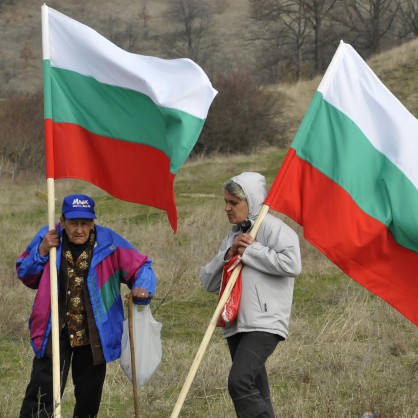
column 270, row 265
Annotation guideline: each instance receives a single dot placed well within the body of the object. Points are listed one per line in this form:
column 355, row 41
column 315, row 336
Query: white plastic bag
column 147, row 345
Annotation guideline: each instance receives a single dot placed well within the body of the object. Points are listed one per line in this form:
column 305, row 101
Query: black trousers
column 88, row 382
column 248, row 384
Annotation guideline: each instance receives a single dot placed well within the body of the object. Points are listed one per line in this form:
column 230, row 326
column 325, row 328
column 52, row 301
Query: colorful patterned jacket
column 114, row 261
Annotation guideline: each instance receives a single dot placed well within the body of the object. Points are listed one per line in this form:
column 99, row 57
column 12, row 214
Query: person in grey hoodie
column 271, row 262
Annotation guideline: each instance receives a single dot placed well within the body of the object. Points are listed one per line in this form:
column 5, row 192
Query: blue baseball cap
column 78, row 206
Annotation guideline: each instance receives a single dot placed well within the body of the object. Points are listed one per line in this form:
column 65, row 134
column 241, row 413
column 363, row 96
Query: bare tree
column 243, row 118
column 111, row 29
column 193, row 19
column 221, row 6
column 121, row 33
column 144, row 17
column 284, row 26
column 294, row 20
column 21, row 136
column 4, row 3
column 26, row 53
column 317, row 12
column 369, row 21
column 408, row 18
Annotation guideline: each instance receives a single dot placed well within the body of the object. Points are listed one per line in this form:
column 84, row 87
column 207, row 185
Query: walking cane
column 133, row 365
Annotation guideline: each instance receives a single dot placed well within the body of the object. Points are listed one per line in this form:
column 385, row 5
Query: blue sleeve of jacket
column 31, row 264
column 146, row 279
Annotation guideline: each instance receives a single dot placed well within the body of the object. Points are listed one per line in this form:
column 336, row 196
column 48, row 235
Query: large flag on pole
column 350, row 179
column 121, row 121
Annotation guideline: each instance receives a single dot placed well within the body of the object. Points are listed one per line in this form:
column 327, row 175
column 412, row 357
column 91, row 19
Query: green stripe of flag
column 334, row 145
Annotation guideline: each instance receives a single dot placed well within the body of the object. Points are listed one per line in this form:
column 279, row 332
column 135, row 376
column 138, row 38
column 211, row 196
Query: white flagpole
column 53, row 252
column 332, row 68
column 212, row 325
column 54, row 305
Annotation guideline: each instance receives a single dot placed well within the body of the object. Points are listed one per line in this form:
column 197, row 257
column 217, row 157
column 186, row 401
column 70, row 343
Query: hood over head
column 254, row 187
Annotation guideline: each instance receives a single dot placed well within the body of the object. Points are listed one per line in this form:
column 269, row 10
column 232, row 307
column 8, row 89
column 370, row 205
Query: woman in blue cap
column 92, row 261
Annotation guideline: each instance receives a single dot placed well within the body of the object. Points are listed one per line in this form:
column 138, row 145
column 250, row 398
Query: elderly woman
column 271, row 262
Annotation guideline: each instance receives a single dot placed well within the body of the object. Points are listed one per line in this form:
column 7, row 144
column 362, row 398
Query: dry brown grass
column 396, row 68
column 347, row 352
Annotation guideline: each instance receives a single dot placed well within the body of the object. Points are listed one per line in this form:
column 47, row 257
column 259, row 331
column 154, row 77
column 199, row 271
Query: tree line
column 277, row 40
column 302, row 35
column 291, row 39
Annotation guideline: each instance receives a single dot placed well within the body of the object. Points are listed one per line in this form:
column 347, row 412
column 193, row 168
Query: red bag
column 230, row 310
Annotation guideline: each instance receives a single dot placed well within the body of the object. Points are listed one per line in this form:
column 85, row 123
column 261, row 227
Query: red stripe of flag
column 359, row 244
column 112, row 165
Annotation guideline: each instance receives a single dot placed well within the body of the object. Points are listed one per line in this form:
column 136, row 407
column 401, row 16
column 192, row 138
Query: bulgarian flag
column 350, row 179
column 121, row 121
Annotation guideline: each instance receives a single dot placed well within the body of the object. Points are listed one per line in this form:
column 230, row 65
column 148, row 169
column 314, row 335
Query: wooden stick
column 212, row 324
column 133, row 363
column 53, row 277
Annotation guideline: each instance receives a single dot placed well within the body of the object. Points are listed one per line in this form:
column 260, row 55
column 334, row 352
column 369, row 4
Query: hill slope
column 396, row 68
column 21, row 40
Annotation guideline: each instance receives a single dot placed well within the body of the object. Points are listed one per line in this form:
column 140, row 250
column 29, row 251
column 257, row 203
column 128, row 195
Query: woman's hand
column 51, row 240
column 240, row 243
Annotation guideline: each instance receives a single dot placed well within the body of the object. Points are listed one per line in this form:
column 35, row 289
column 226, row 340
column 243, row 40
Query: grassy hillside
column 396, row 68
column 348, row 351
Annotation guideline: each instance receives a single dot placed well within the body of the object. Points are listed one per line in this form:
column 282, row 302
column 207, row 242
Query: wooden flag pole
column 53, row 274
column 56, row 386
column 212, row 324
column 133, row 364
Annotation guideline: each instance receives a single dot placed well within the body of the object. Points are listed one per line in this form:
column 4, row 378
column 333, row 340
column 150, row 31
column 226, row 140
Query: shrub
column 21, row 135
column 243, row 117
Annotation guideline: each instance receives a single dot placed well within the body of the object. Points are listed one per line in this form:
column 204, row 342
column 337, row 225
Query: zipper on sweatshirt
column 261, row 299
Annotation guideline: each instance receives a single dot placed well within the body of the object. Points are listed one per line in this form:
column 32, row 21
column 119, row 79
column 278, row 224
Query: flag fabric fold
column 350, row 179
column 121, row 121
